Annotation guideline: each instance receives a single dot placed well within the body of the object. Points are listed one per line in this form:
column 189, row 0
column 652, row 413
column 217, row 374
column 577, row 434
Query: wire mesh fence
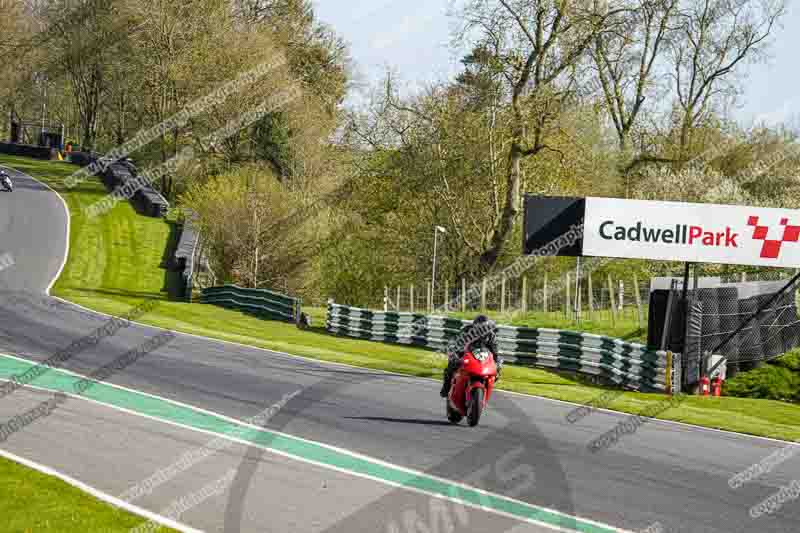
column 724, row 301
column 720, row 304
column 750, row 320
column 587, row 298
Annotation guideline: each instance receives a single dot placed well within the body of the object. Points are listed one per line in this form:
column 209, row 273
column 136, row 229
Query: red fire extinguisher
column 704, row 386
column 716, row 386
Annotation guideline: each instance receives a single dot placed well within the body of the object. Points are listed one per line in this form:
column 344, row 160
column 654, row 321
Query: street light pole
column 44, row 108
column 41, row 77
column 436, row 231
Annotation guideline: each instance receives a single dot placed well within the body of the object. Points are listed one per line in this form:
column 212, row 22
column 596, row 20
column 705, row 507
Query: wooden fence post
column 503, row 296
column 463, row 295
column 411, row 304
column 568, row 292
column 446, row 295
column 483, row 295
column 430, row 299
column 544, row 292
column 591, row 297
column 524, row 302
column 611, row 301
column 398, row 298
column 638, row 296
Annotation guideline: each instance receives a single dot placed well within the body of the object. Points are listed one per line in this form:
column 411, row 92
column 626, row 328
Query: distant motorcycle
column 6, row 181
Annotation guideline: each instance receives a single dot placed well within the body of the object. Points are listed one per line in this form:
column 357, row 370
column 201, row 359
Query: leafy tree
column 318, row 63
column 272, row 142
column 237, row 211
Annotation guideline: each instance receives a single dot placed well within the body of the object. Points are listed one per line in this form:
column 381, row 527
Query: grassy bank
column 622, row 327
column 118, row 259
column 31, row 501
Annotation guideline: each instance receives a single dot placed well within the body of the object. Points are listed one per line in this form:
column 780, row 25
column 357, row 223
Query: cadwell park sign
column 670, row 231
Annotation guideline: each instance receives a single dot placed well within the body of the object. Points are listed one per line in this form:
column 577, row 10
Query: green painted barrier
column 261, row 302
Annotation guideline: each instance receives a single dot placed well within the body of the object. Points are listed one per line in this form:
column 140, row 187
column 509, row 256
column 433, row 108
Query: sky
column 412, row 37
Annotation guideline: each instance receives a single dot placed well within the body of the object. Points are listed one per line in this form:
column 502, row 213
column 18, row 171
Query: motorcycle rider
column 482, row 331
column 5, row 180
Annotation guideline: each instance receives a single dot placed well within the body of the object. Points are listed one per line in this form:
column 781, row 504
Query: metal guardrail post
column 665, row 335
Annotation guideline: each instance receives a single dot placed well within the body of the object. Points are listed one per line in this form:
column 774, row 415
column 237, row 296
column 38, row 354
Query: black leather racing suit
column 481, row 332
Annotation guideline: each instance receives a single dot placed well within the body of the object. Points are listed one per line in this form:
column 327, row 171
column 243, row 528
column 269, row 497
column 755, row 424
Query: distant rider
column 5, row 180
column 482, row 332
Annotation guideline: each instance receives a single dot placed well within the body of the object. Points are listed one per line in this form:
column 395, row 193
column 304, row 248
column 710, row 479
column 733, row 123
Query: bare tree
column 626, row 61
column 83, row 42
column 540, row 45
column 714, row 38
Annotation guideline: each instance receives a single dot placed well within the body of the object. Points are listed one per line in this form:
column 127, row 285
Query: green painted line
column 56, row 380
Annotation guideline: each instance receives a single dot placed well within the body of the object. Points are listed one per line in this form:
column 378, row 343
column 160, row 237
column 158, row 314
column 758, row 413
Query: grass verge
column 118, row 259
column 32, row 501
column 624, row 326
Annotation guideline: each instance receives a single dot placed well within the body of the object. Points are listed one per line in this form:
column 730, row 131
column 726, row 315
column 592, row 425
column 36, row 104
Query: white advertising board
column 698, row 233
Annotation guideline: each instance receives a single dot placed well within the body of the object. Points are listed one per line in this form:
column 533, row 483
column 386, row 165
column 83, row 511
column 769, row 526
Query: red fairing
column 474, row 367
column 472, row 374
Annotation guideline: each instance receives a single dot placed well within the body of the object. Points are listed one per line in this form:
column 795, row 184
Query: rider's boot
column 445, row 389
column 447, row 381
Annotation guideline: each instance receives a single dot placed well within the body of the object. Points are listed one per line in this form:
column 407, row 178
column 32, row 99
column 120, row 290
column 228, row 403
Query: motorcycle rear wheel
column 475, row 407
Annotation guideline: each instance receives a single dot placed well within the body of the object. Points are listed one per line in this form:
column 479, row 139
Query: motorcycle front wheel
column 475, row 407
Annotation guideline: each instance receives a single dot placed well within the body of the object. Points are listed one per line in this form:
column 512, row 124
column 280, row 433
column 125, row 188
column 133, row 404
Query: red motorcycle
column 472, row 386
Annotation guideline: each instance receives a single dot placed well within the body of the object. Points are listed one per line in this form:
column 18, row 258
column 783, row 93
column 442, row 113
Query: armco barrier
column 185, row 251
column 82, row 159
column 146, row 199
column 622, row 363
column 27, row 150
column 261, row 302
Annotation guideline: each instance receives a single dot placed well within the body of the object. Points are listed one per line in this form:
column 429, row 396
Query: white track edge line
column 69, row 220
column 112, row 500
column 344, row 470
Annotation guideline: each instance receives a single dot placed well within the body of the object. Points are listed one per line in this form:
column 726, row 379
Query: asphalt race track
column 673, row 475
